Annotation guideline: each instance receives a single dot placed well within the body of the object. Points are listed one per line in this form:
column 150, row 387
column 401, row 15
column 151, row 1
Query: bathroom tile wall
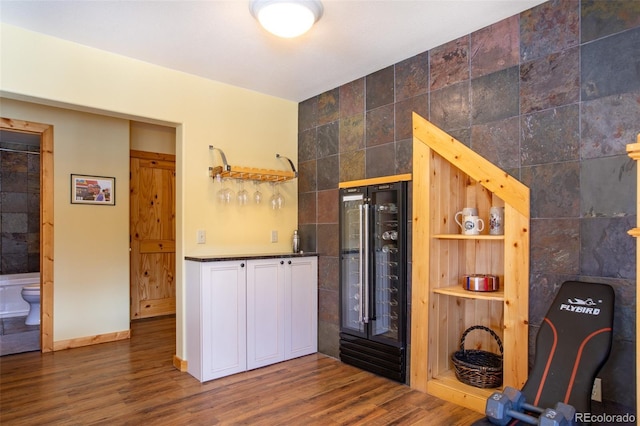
column 552, row 96
column 19, row 203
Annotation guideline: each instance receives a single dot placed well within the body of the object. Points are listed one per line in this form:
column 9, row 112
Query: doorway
column 45, row 133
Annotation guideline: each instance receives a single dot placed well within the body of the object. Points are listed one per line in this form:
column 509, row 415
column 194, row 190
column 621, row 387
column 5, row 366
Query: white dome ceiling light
column 286, row 18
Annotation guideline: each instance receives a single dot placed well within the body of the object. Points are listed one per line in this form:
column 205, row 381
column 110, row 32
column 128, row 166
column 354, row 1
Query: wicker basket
column 478, row 368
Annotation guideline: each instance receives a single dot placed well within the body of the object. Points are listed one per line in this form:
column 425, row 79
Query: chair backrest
column 573, row 344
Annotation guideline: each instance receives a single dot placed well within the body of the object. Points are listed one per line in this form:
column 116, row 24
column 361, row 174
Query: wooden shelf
column 447, row 386
column 458, row 291
column 249, row 173
column 468, row 237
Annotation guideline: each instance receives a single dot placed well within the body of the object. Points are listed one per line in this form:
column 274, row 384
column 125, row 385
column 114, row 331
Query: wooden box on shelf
column 448, row 176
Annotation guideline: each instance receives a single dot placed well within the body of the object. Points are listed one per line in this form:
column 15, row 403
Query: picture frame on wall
column 96, row 190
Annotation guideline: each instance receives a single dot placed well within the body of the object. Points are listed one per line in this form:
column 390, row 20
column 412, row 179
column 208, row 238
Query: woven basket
column 478, row 368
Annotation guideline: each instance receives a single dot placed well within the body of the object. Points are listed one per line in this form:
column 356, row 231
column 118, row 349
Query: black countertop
column 223, row 257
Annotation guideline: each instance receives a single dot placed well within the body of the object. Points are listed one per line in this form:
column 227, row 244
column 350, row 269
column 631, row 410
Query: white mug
column 467, row 211
column 472, row 225
column 496, row 220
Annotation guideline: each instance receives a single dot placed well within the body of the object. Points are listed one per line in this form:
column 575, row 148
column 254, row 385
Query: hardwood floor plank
column 134, row 382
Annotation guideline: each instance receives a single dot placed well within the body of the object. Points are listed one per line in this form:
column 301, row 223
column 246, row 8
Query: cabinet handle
column 282, row 262
column 289, row 262
column 242, row 265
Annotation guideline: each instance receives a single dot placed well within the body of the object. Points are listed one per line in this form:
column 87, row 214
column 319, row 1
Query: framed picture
column 98, row 190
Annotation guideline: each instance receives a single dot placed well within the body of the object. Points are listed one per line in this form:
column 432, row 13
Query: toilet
column 31, row 294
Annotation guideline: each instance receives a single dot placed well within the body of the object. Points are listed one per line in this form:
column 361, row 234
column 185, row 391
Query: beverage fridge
column 373, row 269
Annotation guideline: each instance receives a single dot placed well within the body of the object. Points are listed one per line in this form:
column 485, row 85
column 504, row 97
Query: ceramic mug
column 472, row 225
column 496, row 220
column 467, row 211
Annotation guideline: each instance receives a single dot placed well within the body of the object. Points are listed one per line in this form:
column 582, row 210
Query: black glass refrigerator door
column 353, row 256
column 387, row 279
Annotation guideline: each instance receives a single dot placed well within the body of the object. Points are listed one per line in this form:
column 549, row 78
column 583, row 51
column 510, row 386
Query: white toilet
column 31, row 294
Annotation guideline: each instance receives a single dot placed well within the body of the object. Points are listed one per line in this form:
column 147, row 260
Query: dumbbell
column 502, row 407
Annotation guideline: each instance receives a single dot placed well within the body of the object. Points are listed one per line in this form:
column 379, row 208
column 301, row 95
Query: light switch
column 202, row 236
column 274, row 236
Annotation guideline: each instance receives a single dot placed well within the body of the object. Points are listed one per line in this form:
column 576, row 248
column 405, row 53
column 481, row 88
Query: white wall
column 249, row 127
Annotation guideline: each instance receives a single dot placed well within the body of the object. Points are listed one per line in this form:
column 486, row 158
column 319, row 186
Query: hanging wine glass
column 222, row 191
column 277, row 199
column 225, row 195
column 273, row 201
column 257, row 196
column 243, row 194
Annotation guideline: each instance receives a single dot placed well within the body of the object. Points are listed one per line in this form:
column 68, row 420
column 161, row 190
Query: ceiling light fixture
column 286, row 18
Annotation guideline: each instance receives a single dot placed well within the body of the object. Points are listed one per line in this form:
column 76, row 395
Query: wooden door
column 152, row 234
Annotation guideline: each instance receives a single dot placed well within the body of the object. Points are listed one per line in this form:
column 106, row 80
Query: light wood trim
column 375, row 181
column 477, row 167
column 516, row 298
column 420, row 270
column 46, row 222
column 23, row 126
column 180, row 364
column 91, row 340
column 633, row 150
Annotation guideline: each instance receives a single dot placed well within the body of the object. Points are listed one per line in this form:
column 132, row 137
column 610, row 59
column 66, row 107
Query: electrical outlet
column 202, row 236
column 274, row 236
column 596, row 392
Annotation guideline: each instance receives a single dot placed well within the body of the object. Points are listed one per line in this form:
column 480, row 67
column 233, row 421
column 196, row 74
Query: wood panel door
column 152, row 234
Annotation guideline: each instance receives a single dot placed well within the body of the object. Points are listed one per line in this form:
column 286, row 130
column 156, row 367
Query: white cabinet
column 282, row 313
column 245, row 314
column 265, row 312
column 216, row 318
column 301, row 307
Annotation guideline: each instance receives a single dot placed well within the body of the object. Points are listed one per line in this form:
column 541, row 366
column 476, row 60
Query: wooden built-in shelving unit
column 448, row 176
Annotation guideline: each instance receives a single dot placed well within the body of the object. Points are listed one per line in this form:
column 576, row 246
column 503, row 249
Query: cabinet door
column 265, row 312
column 224, row 324
column 301, row 313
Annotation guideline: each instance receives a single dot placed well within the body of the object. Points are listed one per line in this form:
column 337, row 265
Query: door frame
column 45, row 131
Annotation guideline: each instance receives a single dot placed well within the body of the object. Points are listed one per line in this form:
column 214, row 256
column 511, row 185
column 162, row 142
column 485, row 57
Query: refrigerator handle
column 365, row 281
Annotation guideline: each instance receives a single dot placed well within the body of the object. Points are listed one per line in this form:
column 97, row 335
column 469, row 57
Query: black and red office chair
column 573, row 343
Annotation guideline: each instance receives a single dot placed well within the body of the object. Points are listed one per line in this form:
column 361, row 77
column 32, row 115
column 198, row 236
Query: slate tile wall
column 19, row 204
column 553, row 97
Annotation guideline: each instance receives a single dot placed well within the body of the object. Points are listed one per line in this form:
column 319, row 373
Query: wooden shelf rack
column 251, row 173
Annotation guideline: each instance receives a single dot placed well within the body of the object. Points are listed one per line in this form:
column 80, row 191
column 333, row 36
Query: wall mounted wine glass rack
column 251, row 173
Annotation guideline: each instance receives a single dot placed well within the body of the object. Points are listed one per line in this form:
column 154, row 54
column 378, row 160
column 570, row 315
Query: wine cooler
column 373, row 258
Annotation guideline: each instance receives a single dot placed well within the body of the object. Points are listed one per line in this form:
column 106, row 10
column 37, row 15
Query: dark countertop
column 223, row 257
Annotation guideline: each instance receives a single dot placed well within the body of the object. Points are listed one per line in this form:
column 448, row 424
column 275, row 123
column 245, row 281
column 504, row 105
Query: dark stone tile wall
column 19, row 203
column 553, row 97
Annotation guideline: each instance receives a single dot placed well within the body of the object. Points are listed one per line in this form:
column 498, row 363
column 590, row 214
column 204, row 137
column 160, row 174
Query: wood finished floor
column 133, row 382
